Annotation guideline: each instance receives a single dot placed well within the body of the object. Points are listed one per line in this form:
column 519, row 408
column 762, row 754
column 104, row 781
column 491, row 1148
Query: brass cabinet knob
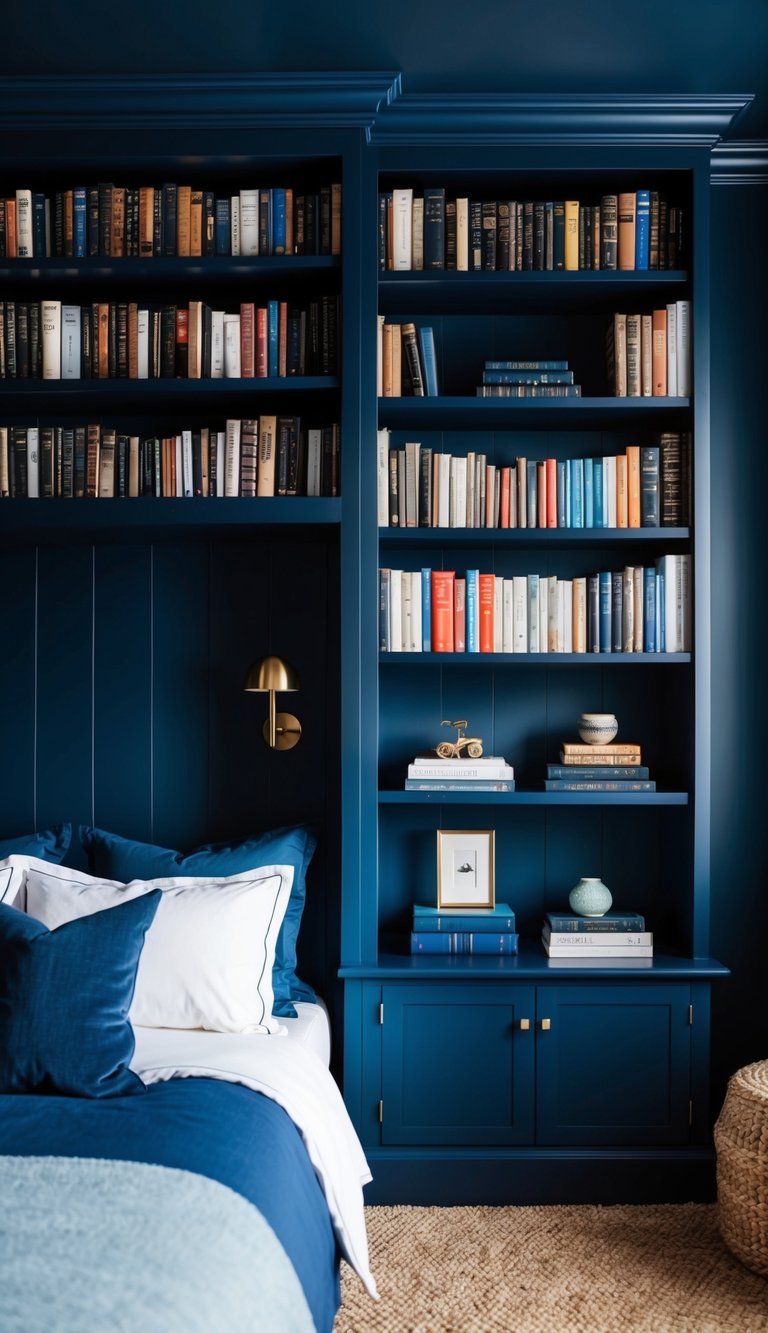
column 525, row 1024
column 546, row 1024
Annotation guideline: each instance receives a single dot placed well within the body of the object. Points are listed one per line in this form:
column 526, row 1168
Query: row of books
column 490, row 931
column 112, row 221
column 640, row 609
column 405, row 360
column 437, row 229
column 265, row 456
column 614, row 766
column 52, row 340
column 645, row 487
column 649, row 356
column 614, row 935
column 488, row 773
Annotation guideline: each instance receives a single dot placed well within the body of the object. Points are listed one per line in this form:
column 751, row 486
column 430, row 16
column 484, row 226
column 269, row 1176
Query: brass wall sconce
column 269, row 675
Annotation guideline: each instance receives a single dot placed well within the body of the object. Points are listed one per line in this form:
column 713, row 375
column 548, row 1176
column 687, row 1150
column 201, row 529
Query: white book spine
column 4, row 484
column 133, row 466
column 458, row 492
column 232, row 458
column 684, row 348
column 70, row 342
column 498, row 614
column 142, row 344
column 566, row 639
column 24, row 231
column 554, row 605
column 314, row 459
column 186, row 450
column 232, row 347
column 579, row 615
column 265, row 483
column 33, row 462
column 520, row 595
column 533, row 613
column 444, row 492
column 508, row 617
column 217, row 344
column 396, row 611
column 543, row 613
column 221, row 450
column 234, row 224
column 249, row 222
column 402, row 228
column 417, row 239
column 179, row 468
column 611, row 492
column 382, row 476
column 462, row 235
column 406, row 611
column 672, row 389
column 416, row 643
column 50, row 323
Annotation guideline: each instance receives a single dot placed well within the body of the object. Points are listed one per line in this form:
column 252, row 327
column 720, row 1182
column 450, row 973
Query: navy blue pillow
column 124, row 859
column 64, row 1000
column 50, row 845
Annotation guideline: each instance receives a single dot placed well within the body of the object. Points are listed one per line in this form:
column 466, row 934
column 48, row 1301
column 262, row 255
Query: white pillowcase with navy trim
column 208, row 955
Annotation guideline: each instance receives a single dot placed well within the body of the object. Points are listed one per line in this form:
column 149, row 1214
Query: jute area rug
column 552, row 1270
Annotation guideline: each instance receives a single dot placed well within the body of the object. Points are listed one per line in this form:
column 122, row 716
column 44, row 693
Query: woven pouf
column 741, row 1142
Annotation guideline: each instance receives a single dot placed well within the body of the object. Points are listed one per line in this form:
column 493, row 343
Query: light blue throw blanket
column 88, row 1245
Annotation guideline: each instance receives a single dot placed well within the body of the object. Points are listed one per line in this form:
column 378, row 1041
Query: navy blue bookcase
column 131, row 624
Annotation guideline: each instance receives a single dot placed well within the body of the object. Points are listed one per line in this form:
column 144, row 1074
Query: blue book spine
column 495, row 923
column 273, row 315
column 606, row 612
column 527, row 376
column 80, row 221
column 593, row 613
column 577, row 492
column 462, row 941
column 526, row 365
column 471, row 612
column 597, row 478
column 642, row 227
column 568, row 500
column 384, row 610
column 649, row 610
column 278, row 221
column 617, row 607
column 561, row 523
column 38, row 225
column 589, row 494
column 428, row 361
column 530, row 493
column 426, row 610
column 562, row 921
column 599, row 784
column 222, row 227
column 649, row 486
column 661, row 636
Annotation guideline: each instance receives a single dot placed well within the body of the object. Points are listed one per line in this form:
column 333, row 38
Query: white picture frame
column 465, row 868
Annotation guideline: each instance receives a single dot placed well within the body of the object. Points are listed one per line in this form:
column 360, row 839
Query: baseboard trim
column 549, row 1178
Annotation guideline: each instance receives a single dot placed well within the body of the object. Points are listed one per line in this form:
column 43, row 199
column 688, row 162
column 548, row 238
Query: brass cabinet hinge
column 690, row 1015
column 381, row 1111
column 381, row 1013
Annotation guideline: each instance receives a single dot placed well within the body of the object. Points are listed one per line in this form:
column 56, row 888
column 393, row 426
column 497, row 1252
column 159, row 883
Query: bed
column 173, row 1153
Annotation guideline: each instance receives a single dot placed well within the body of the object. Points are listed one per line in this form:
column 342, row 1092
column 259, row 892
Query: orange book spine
column 282, row 339
column 622, row 499
column 522, row 494
column 551, row 472
column 626, row 225
column 542, row 499
column 633, row 485
column 486, row 585
column 442, row 610
column 69, row 222
column 102, row 358
column 183, row 219
column 11, row 238
column 146, row 220
column 659, row 354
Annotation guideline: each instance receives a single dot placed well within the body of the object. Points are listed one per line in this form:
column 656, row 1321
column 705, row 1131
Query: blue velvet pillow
column 51, row 845
column 64, row 1000
column 124, row 859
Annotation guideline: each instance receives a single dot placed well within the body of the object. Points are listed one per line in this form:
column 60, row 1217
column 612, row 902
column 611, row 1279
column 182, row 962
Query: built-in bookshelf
column 539, row 476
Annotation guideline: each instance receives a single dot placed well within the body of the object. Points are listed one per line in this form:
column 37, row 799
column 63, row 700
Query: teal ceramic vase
column 590, row 897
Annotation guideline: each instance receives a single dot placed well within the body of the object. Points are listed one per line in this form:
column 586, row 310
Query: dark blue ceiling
column 699, row 46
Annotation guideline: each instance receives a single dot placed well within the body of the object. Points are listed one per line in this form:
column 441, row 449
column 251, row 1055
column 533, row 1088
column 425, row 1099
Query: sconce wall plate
column 269, row 675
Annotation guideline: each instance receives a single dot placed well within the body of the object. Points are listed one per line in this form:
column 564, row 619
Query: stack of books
column 440, row 930
column 615, row 935
column 527, row 379
column 615, row 766
column 429, row 773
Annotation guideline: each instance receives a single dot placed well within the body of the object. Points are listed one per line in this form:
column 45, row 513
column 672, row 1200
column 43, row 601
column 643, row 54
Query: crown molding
column 205, row 101
column 632, row 119
column 740, row 163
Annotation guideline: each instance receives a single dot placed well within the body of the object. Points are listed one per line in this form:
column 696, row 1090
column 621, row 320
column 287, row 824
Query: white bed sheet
column 295, row 1077
column 312, row 1028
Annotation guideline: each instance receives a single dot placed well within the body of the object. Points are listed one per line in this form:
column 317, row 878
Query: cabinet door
column 613, row 1067
column 457, row 1066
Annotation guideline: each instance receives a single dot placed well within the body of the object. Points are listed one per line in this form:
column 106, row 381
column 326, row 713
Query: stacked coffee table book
column 613, row 935
column 430, row 773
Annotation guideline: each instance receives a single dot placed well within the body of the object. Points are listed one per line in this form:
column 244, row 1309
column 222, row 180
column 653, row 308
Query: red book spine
column 442, row 610
column 261, row 342
column 485, row 600
column 246, row 340
column 504, row 497
column 542, row 499
column 551, row 492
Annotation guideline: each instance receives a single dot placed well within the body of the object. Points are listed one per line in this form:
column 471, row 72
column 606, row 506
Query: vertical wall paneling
column 18, row 670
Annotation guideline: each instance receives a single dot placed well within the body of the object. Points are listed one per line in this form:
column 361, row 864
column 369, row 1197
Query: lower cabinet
column 484, row 1064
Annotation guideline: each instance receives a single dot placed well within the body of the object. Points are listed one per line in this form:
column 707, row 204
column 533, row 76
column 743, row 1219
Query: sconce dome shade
column 271, row 673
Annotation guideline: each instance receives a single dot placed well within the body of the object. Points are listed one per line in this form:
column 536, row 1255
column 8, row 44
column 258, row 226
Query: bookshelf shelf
column 530, row 537
column 467, row 413
column 514, row 798
column 493, row 660
column 124, row 396
column 165, row 269
column 532, row 962
column 445, row 293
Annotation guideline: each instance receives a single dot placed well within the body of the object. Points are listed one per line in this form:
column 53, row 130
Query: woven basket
column 741, row 1141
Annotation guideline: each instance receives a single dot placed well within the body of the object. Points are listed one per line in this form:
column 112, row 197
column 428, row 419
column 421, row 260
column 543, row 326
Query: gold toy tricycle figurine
column 455, row 749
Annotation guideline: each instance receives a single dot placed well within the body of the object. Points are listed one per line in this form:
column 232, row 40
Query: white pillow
column 12, row 871
column 208, row 955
